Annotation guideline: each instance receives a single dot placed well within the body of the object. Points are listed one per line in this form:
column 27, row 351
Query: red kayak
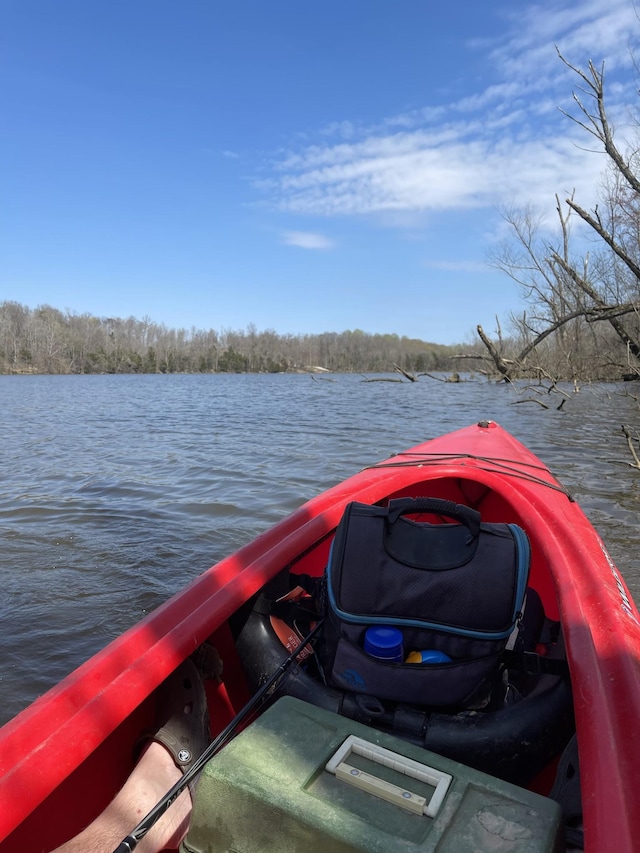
column 64, row 757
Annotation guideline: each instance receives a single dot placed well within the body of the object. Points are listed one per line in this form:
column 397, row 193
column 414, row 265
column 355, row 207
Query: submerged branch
column 407, row 375
column 627, row 433
column 531, row 400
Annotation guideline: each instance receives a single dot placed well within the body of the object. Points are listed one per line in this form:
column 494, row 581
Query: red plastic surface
column 50, row 751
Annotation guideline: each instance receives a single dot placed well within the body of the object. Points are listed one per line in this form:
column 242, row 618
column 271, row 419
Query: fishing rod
column 129, row 843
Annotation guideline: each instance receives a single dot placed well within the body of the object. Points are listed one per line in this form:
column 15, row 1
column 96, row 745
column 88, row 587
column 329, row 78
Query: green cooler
column 303, row 780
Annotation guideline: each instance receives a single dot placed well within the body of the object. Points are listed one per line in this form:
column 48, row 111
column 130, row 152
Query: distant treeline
column 46, row 340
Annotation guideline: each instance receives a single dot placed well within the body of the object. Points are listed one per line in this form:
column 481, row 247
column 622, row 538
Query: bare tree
column 568, row 297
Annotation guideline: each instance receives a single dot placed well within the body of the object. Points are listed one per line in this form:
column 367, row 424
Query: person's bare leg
column 150, row 779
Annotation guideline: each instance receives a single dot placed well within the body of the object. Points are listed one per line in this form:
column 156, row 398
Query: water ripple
column 133, row 485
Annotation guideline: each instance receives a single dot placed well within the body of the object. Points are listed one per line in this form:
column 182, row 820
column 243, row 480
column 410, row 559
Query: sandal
column 182, row 718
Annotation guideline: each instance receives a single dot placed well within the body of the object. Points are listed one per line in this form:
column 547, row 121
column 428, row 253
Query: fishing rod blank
column 129, row 843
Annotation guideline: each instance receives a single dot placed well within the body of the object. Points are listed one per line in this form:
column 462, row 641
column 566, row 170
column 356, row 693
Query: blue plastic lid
column 384, row 642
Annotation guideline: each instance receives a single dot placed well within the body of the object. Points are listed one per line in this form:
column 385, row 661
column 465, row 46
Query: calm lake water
column 115, row 491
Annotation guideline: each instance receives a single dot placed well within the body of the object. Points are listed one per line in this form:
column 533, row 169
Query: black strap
column 530, row 663
column 292, row 611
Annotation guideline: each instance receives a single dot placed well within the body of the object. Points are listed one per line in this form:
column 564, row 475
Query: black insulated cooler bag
column 447, row 596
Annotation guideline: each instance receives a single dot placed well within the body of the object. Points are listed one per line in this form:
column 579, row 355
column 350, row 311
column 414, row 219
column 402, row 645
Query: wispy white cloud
column 474, row 267
column 307, row 240
column 588, row 29
column 506, row 144
column 345, row 129
column 453, row 175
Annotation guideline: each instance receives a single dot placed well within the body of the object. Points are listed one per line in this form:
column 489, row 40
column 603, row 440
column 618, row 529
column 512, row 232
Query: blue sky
column 299, row 166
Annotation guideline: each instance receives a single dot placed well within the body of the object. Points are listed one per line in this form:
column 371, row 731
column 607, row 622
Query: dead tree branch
column 627, row 433
column 407, row 375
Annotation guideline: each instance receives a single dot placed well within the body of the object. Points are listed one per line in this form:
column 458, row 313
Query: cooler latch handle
column 395, row 794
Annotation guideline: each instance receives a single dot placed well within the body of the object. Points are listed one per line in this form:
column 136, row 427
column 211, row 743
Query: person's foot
column 151, row 778
column 179, row 737
column 182, row 719
column 154, row 774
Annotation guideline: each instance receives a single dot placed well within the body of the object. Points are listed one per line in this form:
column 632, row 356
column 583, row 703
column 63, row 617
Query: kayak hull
column 63, row 758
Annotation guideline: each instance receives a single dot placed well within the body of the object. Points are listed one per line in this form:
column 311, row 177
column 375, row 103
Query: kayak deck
column 64, row 757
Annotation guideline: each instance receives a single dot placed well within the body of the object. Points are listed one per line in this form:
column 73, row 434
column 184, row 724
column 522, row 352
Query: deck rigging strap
column 491, row 464
column 131, row 841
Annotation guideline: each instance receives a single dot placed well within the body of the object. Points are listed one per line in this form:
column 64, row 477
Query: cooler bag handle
column 407, row 506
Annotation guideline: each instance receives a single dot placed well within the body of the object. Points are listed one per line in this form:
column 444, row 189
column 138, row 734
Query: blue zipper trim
column 523, row 556
column 523, row 550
